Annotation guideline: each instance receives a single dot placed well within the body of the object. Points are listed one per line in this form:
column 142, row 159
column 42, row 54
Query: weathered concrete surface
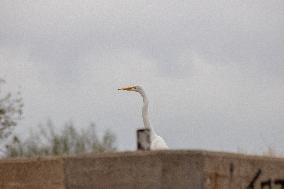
column 232, row 171
column 139, row 170
column 32, row 174
column 155, row 170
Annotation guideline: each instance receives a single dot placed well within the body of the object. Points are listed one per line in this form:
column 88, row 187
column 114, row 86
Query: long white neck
column 145, row 114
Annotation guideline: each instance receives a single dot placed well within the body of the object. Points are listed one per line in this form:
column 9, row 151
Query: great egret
column 157, row 142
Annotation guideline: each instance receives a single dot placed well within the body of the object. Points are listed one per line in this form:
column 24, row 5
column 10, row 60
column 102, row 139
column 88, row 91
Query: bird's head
column 134, row 88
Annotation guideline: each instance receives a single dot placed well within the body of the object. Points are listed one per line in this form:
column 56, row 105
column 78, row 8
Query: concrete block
column 233, row 171
column 35, row 173
column 145, row 170
column 140, row 170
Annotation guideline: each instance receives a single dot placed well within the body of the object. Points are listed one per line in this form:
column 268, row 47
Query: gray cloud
column 213, row 70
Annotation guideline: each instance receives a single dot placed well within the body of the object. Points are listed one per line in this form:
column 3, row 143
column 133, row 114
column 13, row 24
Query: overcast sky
column 213, row 70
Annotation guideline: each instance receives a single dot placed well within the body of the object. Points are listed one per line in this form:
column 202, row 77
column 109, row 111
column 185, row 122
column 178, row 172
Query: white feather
column 158, row 143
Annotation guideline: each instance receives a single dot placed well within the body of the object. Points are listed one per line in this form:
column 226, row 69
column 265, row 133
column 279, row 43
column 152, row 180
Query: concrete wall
column 156, row 169
column 231, row 171
column 32, row 173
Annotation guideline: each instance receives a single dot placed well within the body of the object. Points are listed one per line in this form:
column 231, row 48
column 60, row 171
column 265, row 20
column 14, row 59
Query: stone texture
column 145, row 170
column 36, row 173
column 151, row 170
column 233, row 171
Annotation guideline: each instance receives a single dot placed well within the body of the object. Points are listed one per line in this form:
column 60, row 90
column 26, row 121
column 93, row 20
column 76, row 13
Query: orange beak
column 126, row 88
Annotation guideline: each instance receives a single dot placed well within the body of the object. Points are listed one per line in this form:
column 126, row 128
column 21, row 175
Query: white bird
column 157, row 142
